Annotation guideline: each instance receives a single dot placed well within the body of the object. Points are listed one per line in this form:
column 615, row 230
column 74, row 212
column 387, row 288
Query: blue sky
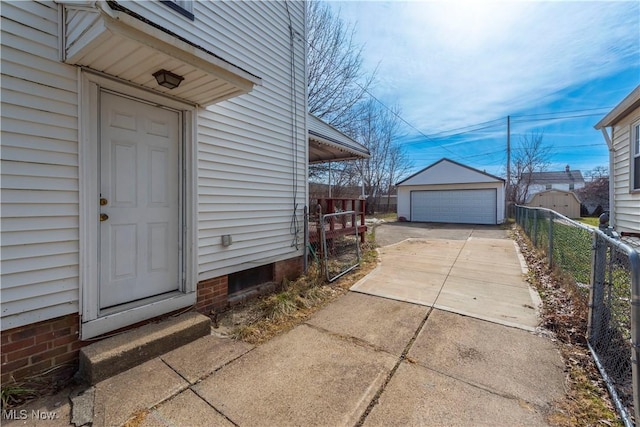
column 457, row 69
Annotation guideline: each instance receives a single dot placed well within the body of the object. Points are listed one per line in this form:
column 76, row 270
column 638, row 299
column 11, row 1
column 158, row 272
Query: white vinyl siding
column 626, row 200
column 39, row 168
column 249, row 149
column 635, row 157
column 245, row 158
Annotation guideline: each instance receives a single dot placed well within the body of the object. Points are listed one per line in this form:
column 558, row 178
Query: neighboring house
column 563, row 202
column 154, row 156
column 623, row 140
column 448, row 191
column 567, row 180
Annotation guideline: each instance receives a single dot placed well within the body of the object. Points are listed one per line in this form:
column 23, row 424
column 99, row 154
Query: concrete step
column 119, row 353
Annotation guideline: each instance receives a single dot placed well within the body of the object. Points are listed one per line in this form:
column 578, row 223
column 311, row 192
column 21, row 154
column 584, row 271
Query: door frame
column 95, row 322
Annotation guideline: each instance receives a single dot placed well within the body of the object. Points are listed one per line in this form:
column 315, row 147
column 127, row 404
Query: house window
column 547, row 187
column 572, row 186
column 183, row 7
column 635, row 156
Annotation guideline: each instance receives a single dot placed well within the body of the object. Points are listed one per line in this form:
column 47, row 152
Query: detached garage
column 448, row 191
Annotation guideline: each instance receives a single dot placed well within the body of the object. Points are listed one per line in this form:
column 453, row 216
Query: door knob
column 104, row 217
column 103, row 201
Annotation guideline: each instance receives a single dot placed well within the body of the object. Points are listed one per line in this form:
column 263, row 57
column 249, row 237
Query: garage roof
column 446, row 171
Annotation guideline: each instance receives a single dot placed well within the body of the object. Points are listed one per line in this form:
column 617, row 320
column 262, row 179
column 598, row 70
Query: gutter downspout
column 607, row 138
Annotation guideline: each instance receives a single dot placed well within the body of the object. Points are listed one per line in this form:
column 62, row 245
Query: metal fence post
column 634, row 264
column 596, row 307
column 305, row 254
column 535, row 228
column 551, row 241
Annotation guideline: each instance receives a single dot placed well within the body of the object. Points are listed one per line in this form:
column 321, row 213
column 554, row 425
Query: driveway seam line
column 376, row 397
column 405, row 352
column 479, row 386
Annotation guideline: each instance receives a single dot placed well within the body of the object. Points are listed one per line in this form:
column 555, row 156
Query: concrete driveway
column 360, row 361
column 471, row 270
column 395, row 232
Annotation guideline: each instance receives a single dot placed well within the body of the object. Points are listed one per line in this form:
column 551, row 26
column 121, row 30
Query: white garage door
column 456, row 206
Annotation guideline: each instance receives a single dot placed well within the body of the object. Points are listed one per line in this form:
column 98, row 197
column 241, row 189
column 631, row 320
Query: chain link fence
column 606, row 271
column 341, row 251
column 333, row 237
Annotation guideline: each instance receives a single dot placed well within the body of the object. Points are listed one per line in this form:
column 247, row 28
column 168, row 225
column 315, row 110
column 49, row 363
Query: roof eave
column 620, row 111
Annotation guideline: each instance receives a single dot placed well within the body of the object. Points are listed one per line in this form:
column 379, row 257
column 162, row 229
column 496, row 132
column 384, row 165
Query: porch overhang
column 327, row 144
column 106, row 37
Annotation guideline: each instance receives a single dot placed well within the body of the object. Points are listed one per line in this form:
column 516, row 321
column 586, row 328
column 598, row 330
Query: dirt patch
column 259, row 320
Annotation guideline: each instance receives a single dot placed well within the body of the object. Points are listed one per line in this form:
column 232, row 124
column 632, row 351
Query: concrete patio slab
column 120, row 397
column 394, row 232
column 425, row 264
column 412, row 286
column 426, row 249
column 507, row 305
column 487, row 273
column 529, row 368
column 304, row 377
column 417, row 396
column 385, row 324
column 484, row 279
column 186, row 409
column 490, row 251
column 213, row 353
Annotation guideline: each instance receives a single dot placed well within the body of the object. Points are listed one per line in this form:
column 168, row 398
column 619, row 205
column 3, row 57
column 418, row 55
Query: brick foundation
column 212, row 294
column 289, row 269
column 51, row 345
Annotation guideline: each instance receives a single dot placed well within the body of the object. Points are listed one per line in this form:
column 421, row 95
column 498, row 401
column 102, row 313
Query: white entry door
column 140, row 199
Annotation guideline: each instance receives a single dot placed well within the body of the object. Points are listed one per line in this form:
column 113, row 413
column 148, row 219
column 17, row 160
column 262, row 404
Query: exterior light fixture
column 168, row 79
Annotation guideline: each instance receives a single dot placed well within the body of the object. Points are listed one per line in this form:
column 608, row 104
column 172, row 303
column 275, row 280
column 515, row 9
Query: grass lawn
column 592, row 221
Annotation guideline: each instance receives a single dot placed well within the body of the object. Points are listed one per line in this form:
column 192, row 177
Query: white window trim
column 634, row 153
column 92, row 322
column 183, row 7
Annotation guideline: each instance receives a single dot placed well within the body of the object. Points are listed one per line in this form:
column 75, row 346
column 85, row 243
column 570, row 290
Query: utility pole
column 507, row 189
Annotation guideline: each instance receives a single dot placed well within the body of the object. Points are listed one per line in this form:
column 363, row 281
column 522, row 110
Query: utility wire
column 564, row 112
column 434, row 139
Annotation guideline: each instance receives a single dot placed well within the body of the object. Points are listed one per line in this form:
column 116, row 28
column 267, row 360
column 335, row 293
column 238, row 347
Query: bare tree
column 336, row 80
column 531, row 155
column 597, row 172
column 379, row 129
column 339, row 95
column 595, row 193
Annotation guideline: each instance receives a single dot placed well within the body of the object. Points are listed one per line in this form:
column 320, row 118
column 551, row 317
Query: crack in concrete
column 408, row 347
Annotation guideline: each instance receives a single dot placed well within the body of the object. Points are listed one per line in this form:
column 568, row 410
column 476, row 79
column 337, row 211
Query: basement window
column 246, row 279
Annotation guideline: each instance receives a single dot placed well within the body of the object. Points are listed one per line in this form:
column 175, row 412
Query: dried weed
column 564, row 314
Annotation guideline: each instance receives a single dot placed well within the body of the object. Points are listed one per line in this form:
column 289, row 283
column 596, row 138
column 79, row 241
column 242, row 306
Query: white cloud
column 456, row 63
